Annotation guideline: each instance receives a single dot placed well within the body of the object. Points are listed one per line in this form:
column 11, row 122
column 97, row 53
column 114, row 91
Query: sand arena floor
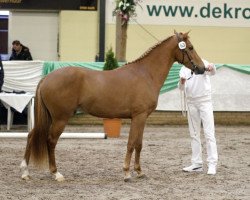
column 93, row 168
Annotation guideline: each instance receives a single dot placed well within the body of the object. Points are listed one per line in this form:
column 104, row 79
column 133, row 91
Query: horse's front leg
column 134, row 142
column 138, row 148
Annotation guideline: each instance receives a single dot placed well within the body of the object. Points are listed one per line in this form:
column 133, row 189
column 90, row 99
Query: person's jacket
column 197, row 87
column 23, row 55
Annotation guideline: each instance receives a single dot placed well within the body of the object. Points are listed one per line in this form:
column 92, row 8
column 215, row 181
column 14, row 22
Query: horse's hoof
column 127, row 179
column 59, row 177
column 141, row 175
column 25, row 177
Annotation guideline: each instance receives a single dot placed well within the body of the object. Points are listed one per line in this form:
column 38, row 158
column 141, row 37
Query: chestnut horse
column 130, row 91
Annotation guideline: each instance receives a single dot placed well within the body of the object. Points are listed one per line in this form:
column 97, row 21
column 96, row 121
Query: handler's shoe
column 193, row 168
column 211, row 170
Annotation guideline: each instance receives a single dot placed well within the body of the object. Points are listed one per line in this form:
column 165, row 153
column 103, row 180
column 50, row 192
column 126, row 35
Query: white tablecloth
column 18, row 102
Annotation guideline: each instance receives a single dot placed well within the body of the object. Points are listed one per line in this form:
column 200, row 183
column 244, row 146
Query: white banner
column 230, row 13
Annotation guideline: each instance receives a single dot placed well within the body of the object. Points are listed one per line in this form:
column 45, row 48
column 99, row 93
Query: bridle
column 182, row 46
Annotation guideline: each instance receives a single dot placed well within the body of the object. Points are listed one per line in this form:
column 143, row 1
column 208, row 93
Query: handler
column 197, row 89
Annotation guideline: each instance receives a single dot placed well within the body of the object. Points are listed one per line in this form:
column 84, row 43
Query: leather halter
column 182, row 47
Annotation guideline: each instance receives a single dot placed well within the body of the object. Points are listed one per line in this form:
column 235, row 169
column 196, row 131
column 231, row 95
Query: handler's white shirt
column 197, row 87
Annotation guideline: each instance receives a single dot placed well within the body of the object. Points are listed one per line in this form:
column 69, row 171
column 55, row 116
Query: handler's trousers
column 202, row 112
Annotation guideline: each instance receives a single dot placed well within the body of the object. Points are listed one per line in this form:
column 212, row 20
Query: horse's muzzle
column 199, row 70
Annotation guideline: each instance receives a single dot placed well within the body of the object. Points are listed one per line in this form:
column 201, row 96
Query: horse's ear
column 185, row 35
column 175, row 32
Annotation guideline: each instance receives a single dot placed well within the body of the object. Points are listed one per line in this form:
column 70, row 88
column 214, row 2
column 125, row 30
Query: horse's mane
column 146, row 53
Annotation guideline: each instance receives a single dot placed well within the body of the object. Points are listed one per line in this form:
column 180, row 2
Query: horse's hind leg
column 55, row 131
column 25, row 161
column 134, row 142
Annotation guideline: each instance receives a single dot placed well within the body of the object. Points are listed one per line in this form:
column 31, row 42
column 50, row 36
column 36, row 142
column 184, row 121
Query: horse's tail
column 39, row 137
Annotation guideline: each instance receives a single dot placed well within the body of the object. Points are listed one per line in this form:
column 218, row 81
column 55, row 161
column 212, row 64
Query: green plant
column 110, row 61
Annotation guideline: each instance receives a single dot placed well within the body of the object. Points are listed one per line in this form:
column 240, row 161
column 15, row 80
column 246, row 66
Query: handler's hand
column 182, row 80
column 210, row 67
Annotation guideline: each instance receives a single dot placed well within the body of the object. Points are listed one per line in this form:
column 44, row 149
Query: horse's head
column 186, row 54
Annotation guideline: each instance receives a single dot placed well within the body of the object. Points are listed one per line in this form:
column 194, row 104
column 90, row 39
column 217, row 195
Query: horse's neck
column 159, row 62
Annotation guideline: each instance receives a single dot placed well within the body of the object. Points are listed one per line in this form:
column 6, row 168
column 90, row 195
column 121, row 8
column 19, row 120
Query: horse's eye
column 191, row 48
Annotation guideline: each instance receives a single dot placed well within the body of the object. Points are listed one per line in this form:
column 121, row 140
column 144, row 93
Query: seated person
column 20, row 52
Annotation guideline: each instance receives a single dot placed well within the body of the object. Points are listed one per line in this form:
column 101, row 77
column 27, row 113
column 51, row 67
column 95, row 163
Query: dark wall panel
column 50, row 4
column 3, row 35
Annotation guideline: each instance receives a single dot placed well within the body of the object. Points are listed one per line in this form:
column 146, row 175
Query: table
column 18, row 102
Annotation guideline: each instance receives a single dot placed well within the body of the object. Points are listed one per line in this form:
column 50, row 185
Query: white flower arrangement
column 126, row 9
